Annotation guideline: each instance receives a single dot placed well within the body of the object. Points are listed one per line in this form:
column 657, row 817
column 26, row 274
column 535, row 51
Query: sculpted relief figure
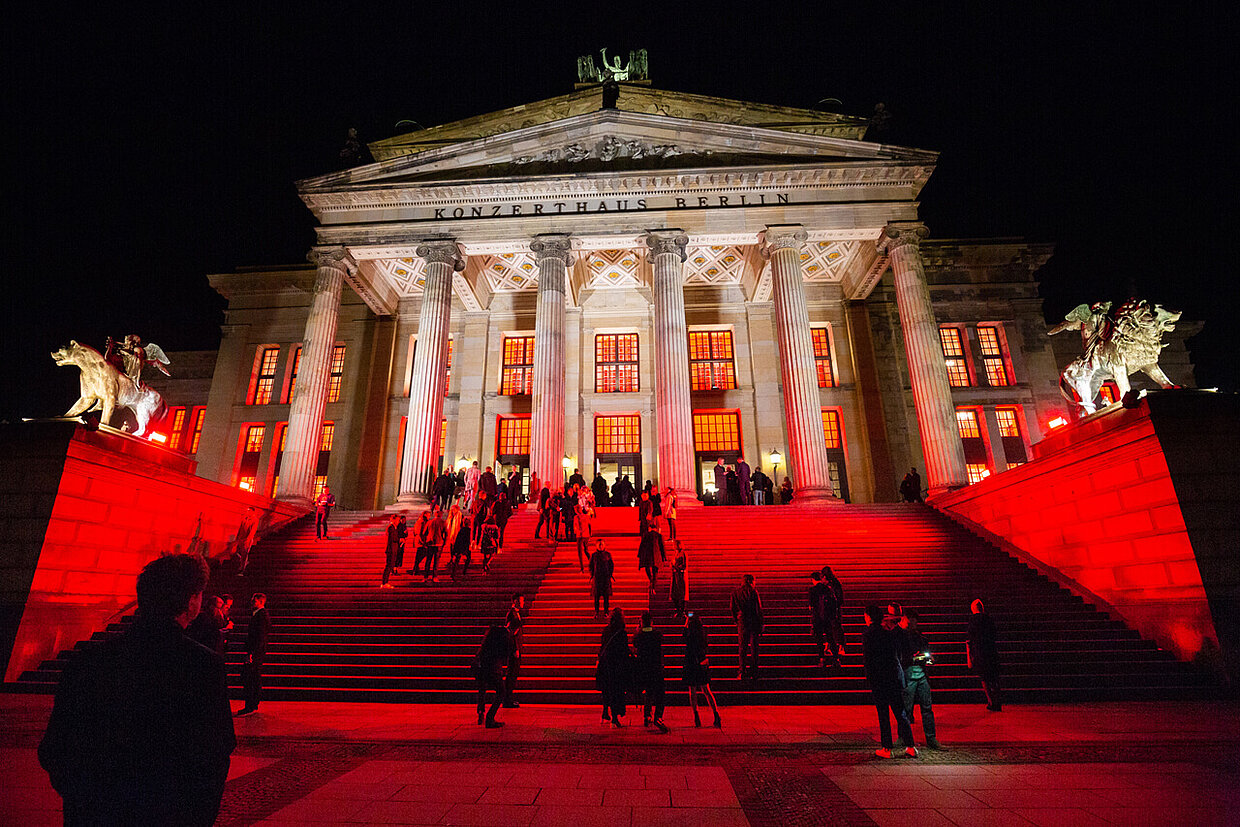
column 1116, row 346
column 635, row 69
column 113, row 380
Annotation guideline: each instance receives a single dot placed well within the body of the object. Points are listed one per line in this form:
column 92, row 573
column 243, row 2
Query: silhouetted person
column 568, row 512
column 488, row 483
column 837, row 621
column 886, row 678
column 982, row 654
column 502, row 512
column 461, row 548
column 599, row 487
column 679, row 591
column 140, row 732
column 444, row 488
column 822, row 608
column 747, row 612
column 577, row 479
column 255, row 653
column 602, row 572
column 322, row 510
column 785, row 492
column 649, row 680
column 488, row 671
column 917, row 658
column 649, row 552
column 515, row 624
column 488, row 542
column 391, row 548
column 696, row 672
column 615, row 664
column 760, row 483
column 742, row 478
column 721, row 482
column 910, row 487
column 544, row 515
column 208, row 627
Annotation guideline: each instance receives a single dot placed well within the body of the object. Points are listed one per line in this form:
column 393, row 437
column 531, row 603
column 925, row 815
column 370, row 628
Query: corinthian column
column 802, row 410
column 430, row 370
column 932, row 395
column 551, row 251
column 673, row 411
column 305, row 419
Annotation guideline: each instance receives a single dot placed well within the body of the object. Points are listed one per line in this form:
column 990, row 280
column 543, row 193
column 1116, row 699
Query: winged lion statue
column 113, row 380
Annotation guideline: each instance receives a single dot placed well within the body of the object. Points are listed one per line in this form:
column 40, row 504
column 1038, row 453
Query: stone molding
column 553, row 245
column 667, row 242
column 335, row 257
column 783, row 237
column 442, row 251
column 896, row 236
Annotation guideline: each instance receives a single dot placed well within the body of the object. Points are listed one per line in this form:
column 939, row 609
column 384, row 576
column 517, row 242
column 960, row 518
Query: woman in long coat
column 697, row 668
column 679, row 592
column 615, row 667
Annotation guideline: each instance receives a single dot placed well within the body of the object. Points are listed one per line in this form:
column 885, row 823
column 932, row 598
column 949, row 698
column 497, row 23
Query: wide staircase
column 337, row 636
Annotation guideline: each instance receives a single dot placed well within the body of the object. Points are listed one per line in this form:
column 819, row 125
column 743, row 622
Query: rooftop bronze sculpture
column 115, row 381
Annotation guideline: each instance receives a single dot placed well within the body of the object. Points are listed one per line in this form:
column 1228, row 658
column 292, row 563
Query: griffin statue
column 113, row 379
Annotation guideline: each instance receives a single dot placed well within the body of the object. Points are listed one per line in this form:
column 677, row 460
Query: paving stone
column 553, row 815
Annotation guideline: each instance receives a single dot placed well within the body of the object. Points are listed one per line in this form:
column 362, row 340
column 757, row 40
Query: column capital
column 673, row 241
column 442, row 250
column 553, row 245
column 898, row 234
column 337, row 257
column 783, row 237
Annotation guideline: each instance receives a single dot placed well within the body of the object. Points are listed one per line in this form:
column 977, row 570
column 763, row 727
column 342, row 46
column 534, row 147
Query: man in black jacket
column 823, row 609
column 982, row 654
column 255, row 654
column 886, row 678
column 140, row 732
column 515, row 624
column 747, row 612
column 489, row 671
column 648, row 644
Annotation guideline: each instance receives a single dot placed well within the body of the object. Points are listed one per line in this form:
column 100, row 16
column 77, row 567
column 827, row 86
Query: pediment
column 614, row 141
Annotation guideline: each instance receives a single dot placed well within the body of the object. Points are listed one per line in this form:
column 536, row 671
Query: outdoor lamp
column 776, row 457
column 567, row 462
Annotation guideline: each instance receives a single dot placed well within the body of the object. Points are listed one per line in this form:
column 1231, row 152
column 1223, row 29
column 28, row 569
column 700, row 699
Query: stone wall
column 85, row 510
column 1128, row 508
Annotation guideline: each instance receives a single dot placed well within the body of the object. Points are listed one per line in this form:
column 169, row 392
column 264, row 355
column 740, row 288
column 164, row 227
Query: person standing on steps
column 982, row 654
column 400, row 546
column 679, row 592
column 910, row 487
column 515, row 493
column 515, row 623
column 650, row 684
column 656, row 508
column 577, row 479
column 395, row 531
column 721, row 482
column 747, row 612
column 421, row 531
column 886, row 679
column 837, row 620
column 568, row 512
column 433, row 537
column 444, row 488
column 917, row 658
column 502, row 510
column 696, row 672
column 670, row 503
column 461, row 546
column 785, row 492
column 742, row 479
column 585, row 527
column 472, row 476
column 734, row 488
column 643, row 510
column 488, row 542
column 255, row 654
column 759, row 482
column 322, row 510
column 599, row 487
column 602, row 572
column 555, row 509
column 822, row 612
column 544, row 515
column 650, row 545
column 488, row 669
column 613, row 676
column 488, row 484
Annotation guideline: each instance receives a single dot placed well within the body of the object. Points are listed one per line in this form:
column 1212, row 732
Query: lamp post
column 776, row 457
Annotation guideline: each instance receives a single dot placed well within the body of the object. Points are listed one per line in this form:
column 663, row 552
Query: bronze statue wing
column 155, row 356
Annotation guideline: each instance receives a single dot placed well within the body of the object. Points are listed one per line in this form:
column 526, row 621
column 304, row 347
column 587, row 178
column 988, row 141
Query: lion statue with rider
column 112, row 380
column 1116, row 345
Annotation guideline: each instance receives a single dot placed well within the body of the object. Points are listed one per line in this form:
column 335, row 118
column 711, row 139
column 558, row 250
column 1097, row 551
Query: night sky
column 146, row 152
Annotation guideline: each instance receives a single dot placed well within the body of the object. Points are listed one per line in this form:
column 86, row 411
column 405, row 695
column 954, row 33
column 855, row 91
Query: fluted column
column 551, row 251
column 932, row 394
column 673, row 410
column 807, row 446
column 430, row 371
column 305, row 419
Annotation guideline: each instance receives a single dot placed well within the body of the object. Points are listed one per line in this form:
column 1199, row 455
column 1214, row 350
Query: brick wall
column 1099, row 509
column 85, row 510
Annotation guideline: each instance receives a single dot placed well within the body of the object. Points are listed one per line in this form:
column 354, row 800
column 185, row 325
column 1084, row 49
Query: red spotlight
column 1057, row 422
column 245, row 485
column 156, row 436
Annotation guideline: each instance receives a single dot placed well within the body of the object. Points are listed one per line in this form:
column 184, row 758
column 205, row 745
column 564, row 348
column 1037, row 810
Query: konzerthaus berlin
column 635, row 284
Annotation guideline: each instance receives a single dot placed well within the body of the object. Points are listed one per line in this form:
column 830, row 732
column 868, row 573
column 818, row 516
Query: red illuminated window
column 320, row 482
column 822, row 356
column 251, row 447
column 517, row 376
column 966, row 421
column 264, row 376
column 953, row 354
column 199, row 415
column 617, row 434
column 976, row 471
column 447, row 379
column 443, row 437
column 1008, row 426
column 327, row 436
column 615, row 363
column 1010, row 432
column 292, row 374
column 1109, row 393
column 281, row 439
column 831, row 429
column 710, row 360
column 337, row 374
column 178, row 425
column 717, row 433
column 254, row 438
column 513, row 437
column 992, row 356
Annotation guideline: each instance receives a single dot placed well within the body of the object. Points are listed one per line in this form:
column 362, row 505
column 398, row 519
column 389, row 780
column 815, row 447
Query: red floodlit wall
column 1098, row 508
column 87, row 510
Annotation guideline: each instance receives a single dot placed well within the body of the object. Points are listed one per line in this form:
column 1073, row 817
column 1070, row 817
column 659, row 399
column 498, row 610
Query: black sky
column 149, row 150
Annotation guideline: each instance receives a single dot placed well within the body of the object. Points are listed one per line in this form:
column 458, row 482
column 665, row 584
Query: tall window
column 617, row 434
column 833, row 432
column 196, row 434
column 831, row 429
column 281, row 439
column 1013, row 441
column 517, row 376
column 822, row 356
column 252, row 446
column 974, row 445
column 513, row 436
column 992, row 356
column 337, row 374
column 264, row 376
column 710, row 360
column 292, row 374
column 178, row 425
column 717, row 433
column 615, row 363
column 953, row 353
column 326, row 437
column 447, row 379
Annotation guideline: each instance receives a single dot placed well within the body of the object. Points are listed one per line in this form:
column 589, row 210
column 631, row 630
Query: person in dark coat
column 555, row 510
column 577, row 479
column 488, row 670
column 488, row 483
column 255, row 654
column 910, row 487
column 599, row 487
column 747, row 612
column 742, row 478
column 721, row 482
column 679, row 591
column 391, row 549
column 644, row 507
column 502, row 512
column 916, row 660
column 886, row 678
column 444, row 488
column 734, row 488
column 461, row 545
column 615, row 665
column 568, row 512
column 696, row 672
column 649, row 680
column 837, row 623
column 982, row 654
column 515, row 490
column 759, row 481
column 208, row 627
column 822, row 608
column 649, row 552
column 785, row 492
column 544, row 515
column 602, row 572
column 515, row 623
column 141, row 731
column 622, row 492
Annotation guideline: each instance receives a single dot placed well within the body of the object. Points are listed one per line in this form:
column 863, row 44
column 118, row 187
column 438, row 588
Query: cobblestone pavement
column 377, row 764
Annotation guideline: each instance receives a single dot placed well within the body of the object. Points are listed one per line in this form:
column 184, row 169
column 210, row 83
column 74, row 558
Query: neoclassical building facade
column 637, row 288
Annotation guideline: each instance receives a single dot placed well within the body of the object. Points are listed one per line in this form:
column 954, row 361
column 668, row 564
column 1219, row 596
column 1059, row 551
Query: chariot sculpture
column 113, row 380
column 1116, row 346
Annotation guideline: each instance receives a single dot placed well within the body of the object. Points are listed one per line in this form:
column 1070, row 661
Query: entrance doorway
column 706, row 474
column 615, row 466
